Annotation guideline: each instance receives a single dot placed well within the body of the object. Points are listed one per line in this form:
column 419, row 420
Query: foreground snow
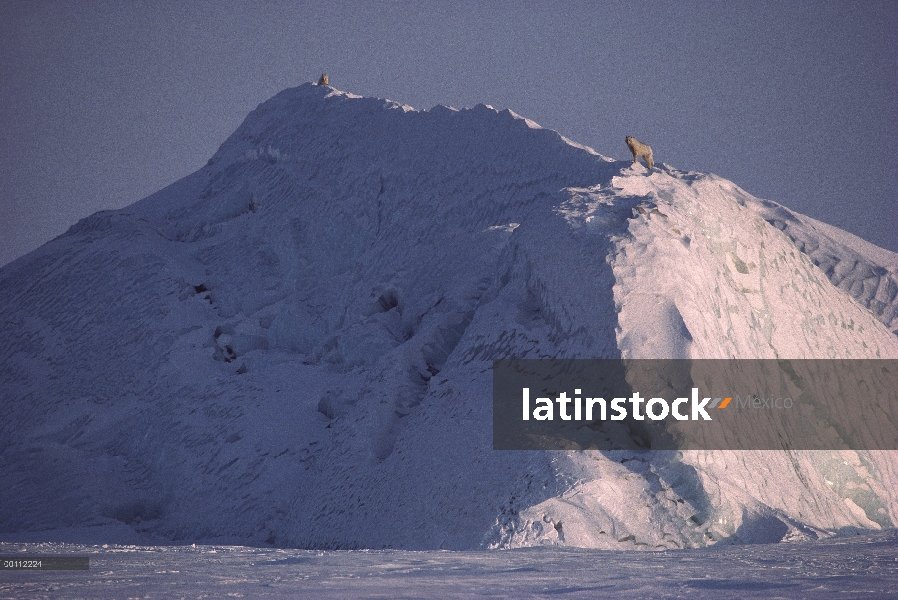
column 857, row 566
column 293, row 345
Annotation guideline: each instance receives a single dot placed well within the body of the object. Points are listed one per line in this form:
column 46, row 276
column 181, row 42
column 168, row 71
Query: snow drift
column 293, row 345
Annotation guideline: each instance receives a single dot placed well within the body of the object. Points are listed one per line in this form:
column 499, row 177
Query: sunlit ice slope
column 293, row 345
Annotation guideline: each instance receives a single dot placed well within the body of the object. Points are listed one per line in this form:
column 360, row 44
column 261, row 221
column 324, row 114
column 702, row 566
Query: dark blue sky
column 103, row 103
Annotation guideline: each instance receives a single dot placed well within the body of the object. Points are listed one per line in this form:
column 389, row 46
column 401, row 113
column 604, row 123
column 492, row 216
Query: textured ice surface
column 855, row 567
column 293, row 345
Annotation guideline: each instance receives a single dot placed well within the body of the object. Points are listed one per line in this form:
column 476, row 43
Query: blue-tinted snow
column 851, row 567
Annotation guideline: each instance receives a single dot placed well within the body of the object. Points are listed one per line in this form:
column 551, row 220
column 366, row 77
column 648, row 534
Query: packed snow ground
column 293, row 345
column 857, row 566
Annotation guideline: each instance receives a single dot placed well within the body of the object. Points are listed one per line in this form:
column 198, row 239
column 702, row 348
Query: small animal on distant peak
column 639, row 149
column 323, row 80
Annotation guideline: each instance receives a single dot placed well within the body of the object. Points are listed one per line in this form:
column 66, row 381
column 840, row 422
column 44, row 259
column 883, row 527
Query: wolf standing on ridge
column 323, row 80
column 639, row 149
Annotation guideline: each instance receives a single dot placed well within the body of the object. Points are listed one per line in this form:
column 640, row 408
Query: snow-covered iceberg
column 293, row 345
